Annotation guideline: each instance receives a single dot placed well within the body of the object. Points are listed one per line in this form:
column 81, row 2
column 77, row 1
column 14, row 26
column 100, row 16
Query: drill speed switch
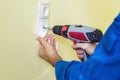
column 78, row 33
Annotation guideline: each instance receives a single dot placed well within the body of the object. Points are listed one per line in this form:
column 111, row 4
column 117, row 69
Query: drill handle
column 84, row 54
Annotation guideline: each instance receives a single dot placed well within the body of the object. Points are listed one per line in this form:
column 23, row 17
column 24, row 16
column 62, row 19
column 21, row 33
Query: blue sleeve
column 68, row 70
column 104, row 64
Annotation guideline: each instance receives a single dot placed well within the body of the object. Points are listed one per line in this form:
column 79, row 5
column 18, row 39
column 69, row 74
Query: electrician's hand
column 48, row 49
column 88, row 47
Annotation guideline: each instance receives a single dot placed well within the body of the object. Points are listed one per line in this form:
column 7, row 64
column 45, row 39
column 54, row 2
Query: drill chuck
column 57, row 30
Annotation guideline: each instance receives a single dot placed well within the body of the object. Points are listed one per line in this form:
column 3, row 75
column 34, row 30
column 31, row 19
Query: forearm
column 54, row 59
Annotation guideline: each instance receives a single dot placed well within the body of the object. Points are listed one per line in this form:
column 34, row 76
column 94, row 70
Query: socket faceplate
column 43, row 12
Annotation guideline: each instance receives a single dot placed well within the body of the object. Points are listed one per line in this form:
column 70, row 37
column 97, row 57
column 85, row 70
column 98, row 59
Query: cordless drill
column 78, row 34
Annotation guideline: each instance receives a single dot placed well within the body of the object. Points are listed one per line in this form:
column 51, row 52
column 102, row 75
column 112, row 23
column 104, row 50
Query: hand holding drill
column 83, row 37
column 48, row 49
column 79, row 34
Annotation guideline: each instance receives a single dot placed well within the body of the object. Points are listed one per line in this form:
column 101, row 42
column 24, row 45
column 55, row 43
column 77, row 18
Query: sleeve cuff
column 68, row 70
column 60, row 69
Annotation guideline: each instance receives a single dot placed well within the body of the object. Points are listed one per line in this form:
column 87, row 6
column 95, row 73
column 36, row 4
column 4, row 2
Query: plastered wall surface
column 18, row 46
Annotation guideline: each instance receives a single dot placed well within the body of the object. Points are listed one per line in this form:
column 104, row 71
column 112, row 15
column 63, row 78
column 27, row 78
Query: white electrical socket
column 41, row 31
column 43, row 10
column 43, row 14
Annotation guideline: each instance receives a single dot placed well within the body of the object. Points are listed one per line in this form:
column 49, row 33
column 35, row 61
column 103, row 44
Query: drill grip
column 84, row 53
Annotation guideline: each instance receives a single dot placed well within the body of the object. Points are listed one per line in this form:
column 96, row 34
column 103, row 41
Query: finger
column 80, row 56
column 46, row 38
column 79, row 45
column 51, row 39
column 41, row 40
column 79, row 51
column 74, row 46
column 55, row 43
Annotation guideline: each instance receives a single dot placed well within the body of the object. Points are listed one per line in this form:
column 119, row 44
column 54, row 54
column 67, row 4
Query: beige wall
column 18, row 46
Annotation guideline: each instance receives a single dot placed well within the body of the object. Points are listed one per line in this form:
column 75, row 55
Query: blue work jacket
column 104, row 64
